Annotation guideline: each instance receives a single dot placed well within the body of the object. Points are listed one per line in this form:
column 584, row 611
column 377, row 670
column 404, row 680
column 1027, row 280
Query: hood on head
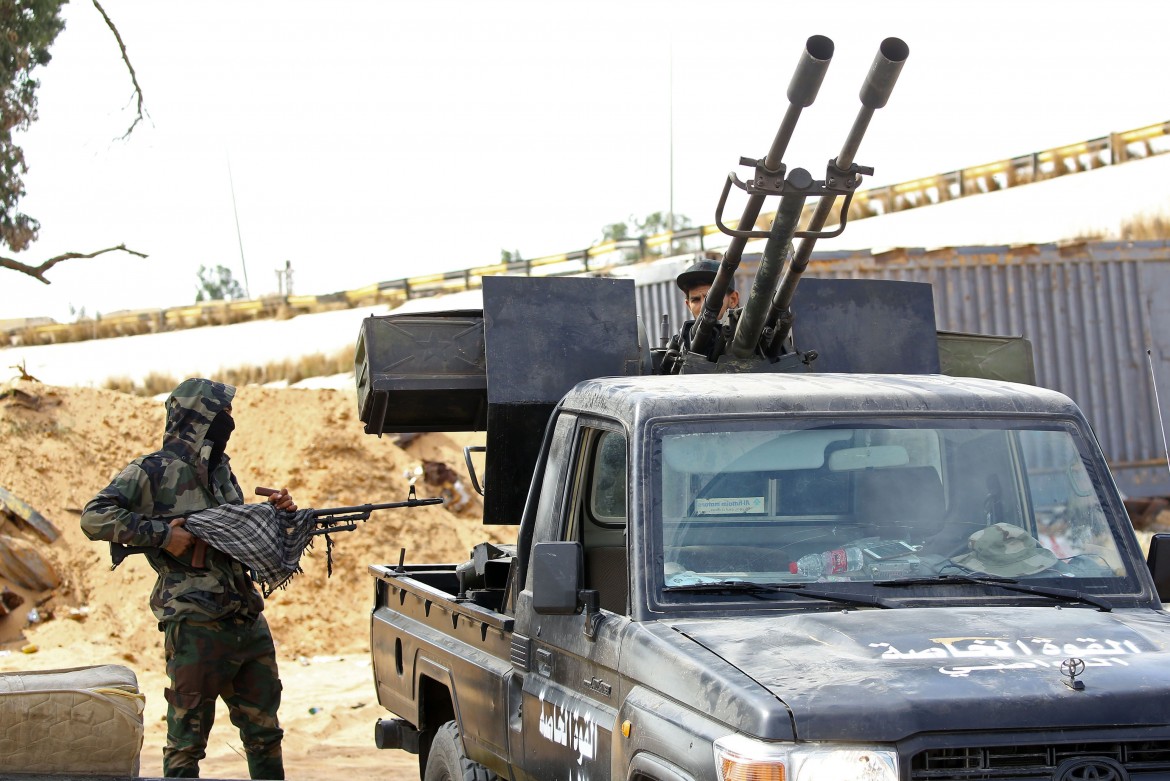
column 190, row 409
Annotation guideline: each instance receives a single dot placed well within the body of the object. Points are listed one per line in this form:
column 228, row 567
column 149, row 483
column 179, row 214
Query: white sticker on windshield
column 730, row 506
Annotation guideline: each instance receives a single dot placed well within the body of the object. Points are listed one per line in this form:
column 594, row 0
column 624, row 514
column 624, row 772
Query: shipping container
column 1097, row 315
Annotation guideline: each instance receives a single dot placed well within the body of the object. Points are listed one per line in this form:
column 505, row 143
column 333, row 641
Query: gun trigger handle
column 199, row 555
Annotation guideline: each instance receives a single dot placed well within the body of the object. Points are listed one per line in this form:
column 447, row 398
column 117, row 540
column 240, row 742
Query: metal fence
column 1091, row 311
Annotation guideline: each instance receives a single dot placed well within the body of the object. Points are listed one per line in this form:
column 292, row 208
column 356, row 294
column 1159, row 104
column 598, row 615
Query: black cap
column 701, row 272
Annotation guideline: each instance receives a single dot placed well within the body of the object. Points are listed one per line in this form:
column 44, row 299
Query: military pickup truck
column 744, row 559
column 649, row 624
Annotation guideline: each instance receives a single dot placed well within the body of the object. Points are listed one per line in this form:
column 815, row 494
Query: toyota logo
column 1090, row 769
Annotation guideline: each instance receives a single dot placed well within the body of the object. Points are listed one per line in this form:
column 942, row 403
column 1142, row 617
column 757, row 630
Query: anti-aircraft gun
column 758, row 332
column 505, row 367
column 848, row 325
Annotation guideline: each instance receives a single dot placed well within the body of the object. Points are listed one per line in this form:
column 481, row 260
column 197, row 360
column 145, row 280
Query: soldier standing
column 217, row 642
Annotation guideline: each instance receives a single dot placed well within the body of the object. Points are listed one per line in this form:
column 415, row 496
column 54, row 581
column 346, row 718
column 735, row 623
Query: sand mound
column 58, row 455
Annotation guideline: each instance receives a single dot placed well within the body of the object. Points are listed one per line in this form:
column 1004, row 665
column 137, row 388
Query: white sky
column 375, row 140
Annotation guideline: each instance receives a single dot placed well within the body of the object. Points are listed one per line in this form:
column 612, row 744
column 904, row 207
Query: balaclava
column 219, row 433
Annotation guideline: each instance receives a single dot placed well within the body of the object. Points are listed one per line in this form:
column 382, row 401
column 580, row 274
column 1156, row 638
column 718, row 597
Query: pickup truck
column 651, row 621
column 891, row 558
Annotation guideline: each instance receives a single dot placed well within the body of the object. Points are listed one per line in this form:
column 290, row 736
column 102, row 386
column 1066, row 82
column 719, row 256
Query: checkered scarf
column 266, row 540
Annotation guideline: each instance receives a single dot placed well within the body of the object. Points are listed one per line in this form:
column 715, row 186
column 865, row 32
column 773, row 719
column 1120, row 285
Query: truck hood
column 882, row 675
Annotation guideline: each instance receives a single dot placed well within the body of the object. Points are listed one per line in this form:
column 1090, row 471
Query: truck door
column 569, row 696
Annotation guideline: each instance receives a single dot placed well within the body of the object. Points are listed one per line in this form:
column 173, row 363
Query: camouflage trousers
column 235, row 660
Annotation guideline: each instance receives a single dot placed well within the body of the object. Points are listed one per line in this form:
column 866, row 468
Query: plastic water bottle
column 831, row 562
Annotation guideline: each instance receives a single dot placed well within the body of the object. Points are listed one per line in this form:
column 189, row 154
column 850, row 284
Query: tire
column 447, row 762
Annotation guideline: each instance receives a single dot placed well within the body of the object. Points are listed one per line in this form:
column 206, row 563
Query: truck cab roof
column 637, row 399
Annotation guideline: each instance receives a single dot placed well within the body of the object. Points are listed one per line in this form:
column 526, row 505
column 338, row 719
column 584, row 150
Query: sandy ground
column 58, row 455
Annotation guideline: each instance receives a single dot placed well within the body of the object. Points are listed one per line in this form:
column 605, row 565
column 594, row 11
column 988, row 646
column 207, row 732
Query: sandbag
column 83, row 720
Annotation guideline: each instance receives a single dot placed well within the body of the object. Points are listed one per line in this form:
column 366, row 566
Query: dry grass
column 1143, row 227
column 291, row 371
column 216, row 313
column 1146, row 227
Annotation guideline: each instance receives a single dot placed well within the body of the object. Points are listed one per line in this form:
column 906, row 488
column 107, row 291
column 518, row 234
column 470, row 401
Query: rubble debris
column 20, row 397
column 438, row 473
column 24, row 566
column 451, row 488
column 20, row 510
column 9, row 601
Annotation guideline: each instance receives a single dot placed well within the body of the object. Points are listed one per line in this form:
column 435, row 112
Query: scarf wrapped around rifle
column 268, row 541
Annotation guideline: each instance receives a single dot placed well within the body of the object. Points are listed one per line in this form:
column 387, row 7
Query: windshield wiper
column 759, row 589
column 1008, row 584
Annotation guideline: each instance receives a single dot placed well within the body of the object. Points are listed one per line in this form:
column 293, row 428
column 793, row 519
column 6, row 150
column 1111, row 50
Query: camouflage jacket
column 172, row 482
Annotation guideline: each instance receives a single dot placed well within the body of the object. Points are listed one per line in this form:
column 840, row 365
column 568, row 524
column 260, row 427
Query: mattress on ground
column 84, row 720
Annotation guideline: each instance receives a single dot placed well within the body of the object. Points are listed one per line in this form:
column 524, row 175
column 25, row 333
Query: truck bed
column 427, row 641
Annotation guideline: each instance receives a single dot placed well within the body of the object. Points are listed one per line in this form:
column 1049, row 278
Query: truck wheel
column 447, row 762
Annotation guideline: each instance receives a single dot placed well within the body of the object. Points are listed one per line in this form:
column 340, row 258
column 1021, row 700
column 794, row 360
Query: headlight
column 740, row 758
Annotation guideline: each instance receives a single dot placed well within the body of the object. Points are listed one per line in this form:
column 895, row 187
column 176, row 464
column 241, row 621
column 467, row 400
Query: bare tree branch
column 38, row 272
column 129, row 67
column 24, row 376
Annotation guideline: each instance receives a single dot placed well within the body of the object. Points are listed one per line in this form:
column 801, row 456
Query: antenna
column 239, row 239
column 1158, row 404
column 670, row 122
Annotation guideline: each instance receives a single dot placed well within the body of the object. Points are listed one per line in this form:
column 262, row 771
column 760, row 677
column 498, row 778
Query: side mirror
column 1158, row 561
column 556, row 577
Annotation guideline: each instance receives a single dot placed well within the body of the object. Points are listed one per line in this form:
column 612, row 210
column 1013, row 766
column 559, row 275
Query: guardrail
column 1113, row 149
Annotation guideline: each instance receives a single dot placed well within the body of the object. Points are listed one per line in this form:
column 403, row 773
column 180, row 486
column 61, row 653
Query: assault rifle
column 344, row 519
column 328, row 520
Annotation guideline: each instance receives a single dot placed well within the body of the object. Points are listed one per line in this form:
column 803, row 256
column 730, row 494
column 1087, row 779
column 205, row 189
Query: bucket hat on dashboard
column 1007, row 550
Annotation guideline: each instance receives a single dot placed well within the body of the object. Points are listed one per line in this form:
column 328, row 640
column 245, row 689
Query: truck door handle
column 544, row 662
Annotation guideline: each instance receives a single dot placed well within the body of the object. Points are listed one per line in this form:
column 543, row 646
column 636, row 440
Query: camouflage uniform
column 217, row 642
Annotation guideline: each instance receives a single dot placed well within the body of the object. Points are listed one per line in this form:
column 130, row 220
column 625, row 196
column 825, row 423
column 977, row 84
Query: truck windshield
column 791, row 501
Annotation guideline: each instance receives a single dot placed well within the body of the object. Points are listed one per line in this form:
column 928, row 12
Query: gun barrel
column 752, row 321
column 369, row 508
column 875, row 93
column 802, row 91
